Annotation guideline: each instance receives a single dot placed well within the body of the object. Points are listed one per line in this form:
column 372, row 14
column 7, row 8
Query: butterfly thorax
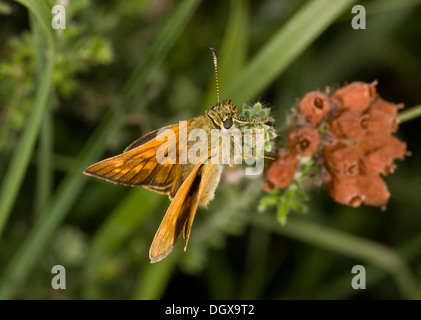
column 222, row 114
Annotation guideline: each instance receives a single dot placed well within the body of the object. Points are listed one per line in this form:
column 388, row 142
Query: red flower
column 380, row 123
column 346, row 190
column 374, row 190
column 349, row 125
column 313, row 106
column 342, row 160
column 356, row 96
column 355, row 129
column 386, row 107
column 303, row 141
column 379, row 156
column 280, row 172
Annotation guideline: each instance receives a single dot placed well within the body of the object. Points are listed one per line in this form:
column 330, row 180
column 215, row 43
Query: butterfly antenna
column 215, row 64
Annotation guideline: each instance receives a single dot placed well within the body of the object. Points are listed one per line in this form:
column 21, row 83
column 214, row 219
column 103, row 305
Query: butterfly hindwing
column 181, row 210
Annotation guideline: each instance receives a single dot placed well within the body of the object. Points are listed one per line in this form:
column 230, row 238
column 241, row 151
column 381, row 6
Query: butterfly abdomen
column 208, row 186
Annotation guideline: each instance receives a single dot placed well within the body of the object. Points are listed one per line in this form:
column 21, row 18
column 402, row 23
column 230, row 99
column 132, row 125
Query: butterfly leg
column 246, row 155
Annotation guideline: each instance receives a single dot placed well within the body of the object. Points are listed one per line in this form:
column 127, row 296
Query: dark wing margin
column 146, row 138
column 138, row 165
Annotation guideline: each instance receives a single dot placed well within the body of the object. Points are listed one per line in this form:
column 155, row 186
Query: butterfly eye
column 228, row 123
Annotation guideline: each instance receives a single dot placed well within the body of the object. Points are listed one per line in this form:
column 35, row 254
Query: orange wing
column 138, row 164
column 181, row 210
column 180, row 214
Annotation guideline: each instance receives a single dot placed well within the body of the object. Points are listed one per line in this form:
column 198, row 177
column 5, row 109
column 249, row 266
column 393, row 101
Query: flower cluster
column 349, row 136
column 259, row 119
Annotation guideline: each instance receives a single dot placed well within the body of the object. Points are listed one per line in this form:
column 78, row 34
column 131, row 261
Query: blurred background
column 120, row 69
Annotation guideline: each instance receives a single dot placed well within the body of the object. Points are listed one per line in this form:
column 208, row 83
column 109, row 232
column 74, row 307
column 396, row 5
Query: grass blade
column 160, row 48
column 285, row 46
column 31, row 250
column 350, row 245
column 153, row 279
column 119, row 226
column 20, row 158
column 44, row 179
column 339, row 288
column 233, row 50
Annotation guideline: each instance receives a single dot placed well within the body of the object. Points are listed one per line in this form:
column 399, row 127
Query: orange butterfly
column 187, row 183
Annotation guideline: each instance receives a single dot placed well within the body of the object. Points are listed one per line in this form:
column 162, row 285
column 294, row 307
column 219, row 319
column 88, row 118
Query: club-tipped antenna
column 215, row 64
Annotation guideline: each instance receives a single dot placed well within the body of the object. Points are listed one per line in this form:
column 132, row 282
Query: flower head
column 349, row 137
column 303, row 141
column 280, row 172
column 313, row 107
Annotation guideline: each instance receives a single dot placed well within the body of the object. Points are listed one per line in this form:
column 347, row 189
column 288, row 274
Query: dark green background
column 123, row 68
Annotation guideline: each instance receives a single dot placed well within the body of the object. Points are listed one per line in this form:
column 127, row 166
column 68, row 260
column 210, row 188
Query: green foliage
column 77, row 51
column 286, row 199
column 5, row 8
column 263, row 133
column 16, row 88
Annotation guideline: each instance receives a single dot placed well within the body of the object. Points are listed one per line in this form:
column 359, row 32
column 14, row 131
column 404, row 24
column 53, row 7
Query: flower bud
column 356, row 96
column 349, row 125
column 280, row 172
column 313, row 106
column 380, row 123
column 342, row 160
column 374, row 189
column 303, row 141
column 346, row 190
column 379, row 155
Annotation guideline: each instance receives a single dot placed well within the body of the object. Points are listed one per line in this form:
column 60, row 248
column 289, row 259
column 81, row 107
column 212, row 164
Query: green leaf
column 161, row 46
column 297, row 206
column 272, row 134
column 247, row 114
column 33, row 245
column 26, row 257
column 233, row 51
column 267, row 202
column 264, row 113
column 5, row 8
column 300, row 195
column 257, row 107
column 117, row 228
column 153, row 279
column 283, row 210
column 20, row 158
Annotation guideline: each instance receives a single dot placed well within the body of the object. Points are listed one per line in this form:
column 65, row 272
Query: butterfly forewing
column 138, row 165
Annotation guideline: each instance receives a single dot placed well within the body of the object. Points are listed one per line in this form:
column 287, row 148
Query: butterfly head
column 223, row 114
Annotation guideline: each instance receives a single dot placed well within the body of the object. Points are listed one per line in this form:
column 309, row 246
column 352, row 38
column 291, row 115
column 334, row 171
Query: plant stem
column 20, row 159
column 347, row 244
column 160, row 48
column 410, row 114
column 44, row 180
column 58, row 206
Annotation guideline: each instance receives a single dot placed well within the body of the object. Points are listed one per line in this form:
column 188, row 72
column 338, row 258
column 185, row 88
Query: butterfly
column 157, row 161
